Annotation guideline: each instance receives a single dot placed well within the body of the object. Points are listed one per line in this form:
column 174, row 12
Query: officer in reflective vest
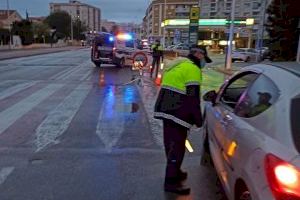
column 178, row 105
column 157, row 54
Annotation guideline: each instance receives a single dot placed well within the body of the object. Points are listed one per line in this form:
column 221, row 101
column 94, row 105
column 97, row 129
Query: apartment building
column 8, row 17
column 214, row 9
column 155, row 15
column 215, row 16
column 89, row 15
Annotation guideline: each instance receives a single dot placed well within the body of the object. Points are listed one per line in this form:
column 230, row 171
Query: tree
column 103, row 29
column 282, row 24
column 24, row 30
column 61, row 21
column 115, row 29
column 41, row 32
column 78, row 29
column 4, row 36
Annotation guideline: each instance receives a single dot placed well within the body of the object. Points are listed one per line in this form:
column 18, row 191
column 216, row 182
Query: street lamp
column 231, row 33
column 164, row 28
column 9, row 28
column 72, row 34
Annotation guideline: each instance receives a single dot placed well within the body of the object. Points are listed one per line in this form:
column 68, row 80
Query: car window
column 260, row 96
column 239, row 50
column 129, row 44
column 295, row 125
column 104, row 40
column 252, row 51
column 235, row 89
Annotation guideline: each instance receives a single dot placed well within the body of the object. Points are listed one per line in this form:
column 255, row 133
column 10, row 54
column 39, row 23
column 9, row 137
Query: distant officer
column 178, row 105
column 157, row 54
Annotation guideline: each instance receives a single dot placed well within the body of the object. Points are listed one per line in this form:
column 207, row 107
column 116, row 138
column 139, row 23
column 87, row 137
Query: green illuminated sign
column 206, row 22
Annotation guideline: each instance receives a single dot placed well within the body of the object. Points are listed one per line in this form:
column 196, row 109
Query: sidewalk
column 10, row 54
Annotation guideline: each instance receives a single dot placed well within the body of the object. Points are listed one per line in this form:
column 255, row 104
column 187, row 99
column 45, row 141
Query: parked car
column 251, row 131
column 182, row 50
column 244, row 54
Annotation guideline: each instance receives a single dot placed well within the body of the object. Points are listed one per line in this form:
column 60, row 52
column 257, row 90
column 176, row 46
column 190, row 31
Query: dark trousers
column 174, row 141
column 155, row 65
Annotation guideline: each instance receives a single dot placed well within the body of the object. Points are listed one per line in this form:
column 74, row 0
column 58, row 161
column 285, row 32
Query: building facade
column 8, row 17
column 211, row 9
column 215, row 16
column 89, row 15
column 159, row 10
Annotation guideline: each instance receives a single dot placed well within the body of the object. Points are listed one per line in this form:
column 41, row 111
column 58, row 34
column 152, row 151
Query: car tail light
column 283, row 178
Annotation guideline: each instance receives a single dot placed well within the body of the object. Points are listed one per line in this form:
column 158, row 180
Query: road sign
column 195, row 13
column 194, row 25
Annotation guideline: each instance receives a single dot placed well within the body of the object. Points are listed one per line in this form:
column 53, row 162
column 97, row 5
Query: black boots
column 182, row 176
column 175, row 185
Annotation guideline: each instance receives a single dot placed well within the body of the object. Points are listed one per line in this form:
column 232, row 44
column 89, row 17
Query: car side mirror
column 210, row 96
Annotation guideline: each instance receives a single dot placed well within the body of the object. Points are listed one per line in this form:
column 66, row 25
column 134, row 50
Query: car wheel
column 98, row 64
column 122, row 63
column 243, row 193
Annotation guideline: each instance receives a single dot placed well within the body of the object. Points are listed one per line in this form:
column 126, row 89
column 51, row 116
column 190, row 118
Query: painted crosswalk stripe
column 86, row 75
column 60, row 73
column 67, row 73
column 15, row 89
column 13, row 113
column 66, row 76
column 4, row 173
column 60, row 118
column 111, row 120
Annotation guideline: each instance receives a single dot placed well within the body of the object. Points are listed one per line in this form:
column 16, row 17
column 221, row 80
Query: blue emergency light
column 111, row 38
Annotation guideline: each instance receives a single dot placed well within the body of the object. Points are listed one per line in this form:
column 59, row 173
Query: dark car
column 102, row 49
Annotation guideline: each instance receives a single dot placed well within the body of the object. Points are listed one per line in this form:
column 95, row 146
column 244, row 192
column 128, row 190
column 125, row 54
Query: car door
column 221, row 120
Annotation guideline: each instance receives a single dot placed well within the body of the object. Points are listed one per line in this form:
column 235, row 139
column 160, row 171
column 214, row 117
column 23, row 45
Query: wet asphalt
column 72, row 131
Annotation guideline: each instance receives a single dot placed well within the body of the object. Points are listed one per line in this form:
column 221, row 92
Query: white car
column 244, row 54
column 252, row 132
column 182, row 50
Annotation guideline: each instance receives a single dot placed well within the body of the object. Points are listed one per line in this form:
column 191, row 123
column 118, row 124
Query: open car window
column 236, row 87
column 261, row 95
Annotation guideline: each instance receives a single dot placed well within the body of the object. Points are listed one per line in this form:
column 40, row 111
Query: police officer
column 178, row 105
column 157, row 54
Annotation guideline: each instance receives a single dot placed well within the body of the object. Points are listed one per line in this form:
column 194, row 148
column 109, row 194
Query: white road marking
column 60, row 118
column 67, row 73
column 86, row 75
column 111, row 120
column 60, row 73
column 75, row 71
column 15, row 89
column 13, row 113
column 155, row 125
column 4, row 173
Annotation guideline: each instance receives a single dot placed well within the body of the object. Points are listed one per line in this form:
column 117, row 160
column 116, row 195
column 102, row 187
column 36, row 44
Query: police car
column 113, row 49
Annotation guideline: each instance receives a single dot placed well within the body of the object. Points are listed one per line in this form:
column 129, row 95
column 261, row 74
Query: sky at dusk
column 116, row 10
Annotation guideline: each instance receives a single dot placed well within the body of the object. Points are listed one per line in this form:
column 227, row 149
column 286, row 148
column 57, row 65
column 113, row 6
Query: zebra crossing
column 53, row 103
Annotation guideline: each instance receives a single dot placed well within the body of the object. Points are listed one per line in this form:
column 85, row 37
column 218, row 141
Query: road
column 69, row 130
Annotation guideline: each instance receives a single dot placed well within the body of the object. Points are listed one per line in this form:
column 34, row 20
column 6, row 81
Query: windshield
column 295, row 116
column 105, row 40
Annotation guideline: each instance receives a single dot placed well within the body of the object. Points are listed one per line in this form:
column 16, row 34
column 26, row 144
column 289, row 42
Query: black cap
column 202, row 50
column 265, row 94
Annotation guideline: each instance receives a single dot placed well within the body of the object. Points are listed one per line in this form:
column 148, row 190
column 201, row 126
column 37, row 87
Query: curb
column 36, row 53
